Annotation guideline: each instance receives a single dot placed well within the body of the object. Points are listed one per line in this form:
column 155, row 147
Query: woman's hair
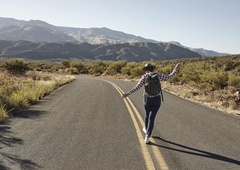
column 149, row 69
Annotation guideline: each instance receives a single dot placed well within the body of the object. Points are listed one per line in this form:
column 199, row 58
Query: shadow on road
column 8, row 140
column 29, row 114
column 23, row 163
column 194, row 151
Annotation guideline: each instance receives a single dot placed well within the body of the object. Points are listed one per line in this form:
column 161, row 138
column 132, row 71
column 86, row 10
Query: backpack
column 152, row 85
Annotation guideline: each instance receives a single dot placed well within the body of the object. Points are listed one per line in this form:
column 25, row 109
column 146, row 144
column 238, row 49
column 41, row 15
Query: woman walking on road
column 152, row 96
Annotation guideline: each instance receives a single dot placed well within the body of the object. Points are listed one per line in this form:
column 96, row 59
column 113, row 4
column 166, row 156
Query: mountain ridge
column 89, row 35
column 137, row 51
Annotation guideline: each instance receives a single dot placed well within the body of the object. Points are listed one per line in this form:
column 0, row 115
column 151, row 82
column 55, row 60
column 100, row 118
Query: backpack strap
column 161, row 90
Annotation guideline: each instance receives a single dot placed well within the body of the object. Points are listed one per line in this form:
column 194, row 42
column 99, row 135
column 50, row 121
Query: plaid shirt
column 143, row 79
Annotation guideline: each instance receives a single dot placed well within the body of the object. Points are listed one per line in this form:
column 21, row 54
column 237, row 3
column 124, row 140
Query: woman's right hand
column 124, row 95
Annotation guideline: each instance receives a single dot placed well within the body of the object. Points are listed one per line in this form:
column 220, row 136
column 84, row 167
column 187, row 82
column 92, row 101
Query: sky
column 209, row 24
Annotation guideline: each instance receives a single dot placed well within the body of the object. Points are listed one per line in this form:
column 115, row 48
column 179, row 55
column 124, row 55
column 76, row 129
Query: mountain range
column 136, row 51
column 40, row 40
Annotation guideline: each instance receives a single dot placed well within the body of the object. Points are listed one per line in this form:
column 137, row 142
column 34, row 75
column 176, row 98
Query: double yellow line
column 145, row 150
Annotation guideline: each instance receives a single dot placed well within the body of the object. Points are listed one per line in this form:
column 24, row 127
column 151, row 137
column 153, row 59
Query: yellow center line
column 162, row 163
column 146, row 153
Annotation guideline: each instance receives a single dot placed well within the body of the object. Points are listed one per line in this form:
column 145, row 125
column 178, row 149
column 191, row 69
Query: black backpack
column 153, row 85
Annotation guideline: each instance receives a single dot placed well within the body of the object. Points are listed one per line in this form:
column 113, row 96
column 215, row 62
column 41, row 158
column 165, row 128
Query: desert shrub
column 66, row 63
column 136, row 72
column 234, row 80
column 97, row 68
column 4, row 114
column 115, row 67
column 213, row 80
column 232, row 65
column 126, row 70
column 81, row 68
column 8, row 85
column 57, row 67
column 191, row 73
column 17, row 101
column 16, row 66
column 166, row 69
column 43, row 67
column 73, row 70
column 33, row 75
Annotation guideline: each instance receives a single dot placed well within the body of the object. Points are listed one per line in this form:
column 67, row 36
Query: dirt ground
column 226, row 100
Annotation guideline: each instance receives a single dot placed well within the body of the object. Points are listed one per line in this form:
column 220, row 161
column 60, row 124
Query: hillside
column 138, row 51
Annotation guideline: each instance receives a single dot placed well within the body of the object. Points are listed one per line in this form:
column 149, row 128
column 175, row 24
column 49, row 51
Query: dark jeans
column 151, row 105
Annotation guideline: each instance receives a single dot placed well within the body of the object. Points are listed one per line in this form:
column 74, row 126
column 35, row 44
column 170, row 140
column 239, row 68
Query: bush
column 4, row 114
column 16, row 66
column 166, row 69
column 126, row 70
column 115, row 67
column 191, row 73
column 214, row 80
column 81, row 68
column 234, row 80
column 73, row 70
column 66, row 63
column 136, row 71
column 97, row 68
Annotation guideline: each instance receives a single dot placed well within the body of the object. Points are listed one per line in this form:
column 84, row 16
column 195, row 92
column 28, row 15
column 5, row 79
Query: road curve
column 87, row 125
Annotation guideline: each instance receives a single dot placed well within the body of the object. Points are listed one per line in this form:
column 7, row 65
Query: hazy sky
column 209, row 24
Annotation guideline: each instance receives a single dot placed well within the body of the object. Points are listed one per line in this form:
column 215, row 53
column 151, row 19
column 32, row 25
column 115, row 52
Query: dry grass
column 224, row 99
column 19, row 92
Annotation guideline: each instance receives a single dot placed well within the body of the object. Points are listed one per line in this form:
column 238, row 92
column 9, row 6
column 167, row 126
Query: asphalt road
column 87, row 125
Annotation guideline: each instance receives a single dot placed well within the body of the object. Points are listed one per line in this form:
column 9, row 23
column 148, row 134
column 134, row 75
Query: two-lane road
column 87, row 125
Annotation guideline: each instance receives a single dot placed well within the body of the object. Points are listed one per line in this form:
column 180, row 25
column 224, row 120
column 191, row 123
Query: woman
column 151, row 102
